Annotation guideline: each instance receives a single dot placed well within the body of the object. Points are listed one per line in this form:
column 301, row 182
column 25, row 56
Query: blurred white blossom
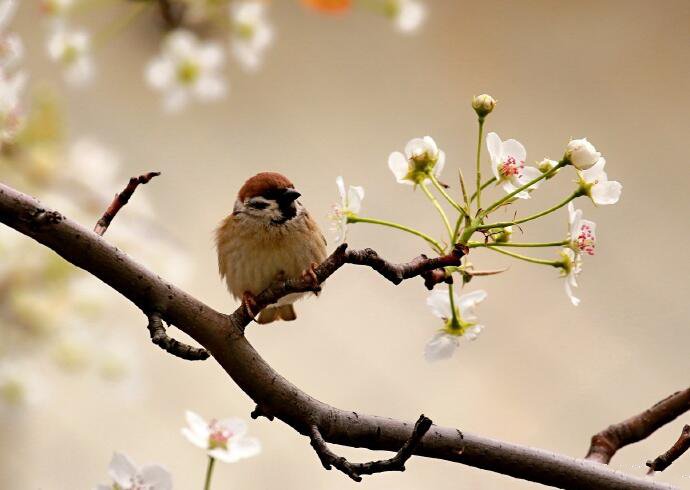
column 11, row 112
column 127, row 476
column 597, row 185
column 350, row 204
column 20, row 387
column 186, row 69
column 72, row 50
column 251, row 32
column 407, row 14
column 421, row 158
column 224, row 439
column 508, row 165
column 444, row 343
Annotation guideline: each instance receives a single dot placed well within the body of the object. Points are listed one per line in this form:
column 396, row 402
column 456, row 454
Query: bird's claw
column 310, row 275
column 249, row 302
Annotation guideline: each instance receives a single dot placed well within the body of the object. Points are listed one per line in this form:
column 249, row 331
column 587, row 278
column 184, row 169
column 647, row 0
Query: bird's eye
column 258, row 204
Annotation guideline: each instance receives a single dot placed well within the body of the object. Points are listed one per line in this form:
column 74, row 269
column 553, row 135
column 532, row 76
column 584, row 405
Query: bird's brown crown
column 262, row 184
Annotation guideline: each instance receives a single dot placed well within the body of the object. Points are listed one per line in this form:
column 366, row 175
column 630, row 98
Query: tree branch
column 660, row 463
column 356, row 470
column 223, row 337
column 121, row 200
column 605, row 444
column 170, row 345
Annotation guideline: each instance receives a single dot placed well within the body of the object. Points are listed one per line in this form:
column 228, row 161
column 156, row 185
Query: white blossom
column 598, row 187
column 582, row 231
column 444, row 343
column 7, row 10
column 127, row 476
column 224, row 439
column 407, row 14
column 572, row 266
column 582, row 154
column 421, row 157
column 11, row 112
column 186, row 69
column 252, row 33
column 11, row 51
column 508, row 165
column 350, row 204
column 72, row 49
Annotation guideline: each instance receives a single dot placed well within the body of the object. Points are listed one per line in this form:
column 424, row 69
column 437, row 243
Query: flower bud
column 581, row 154
column 483, row 104
column 546, row 165
column 501, row 235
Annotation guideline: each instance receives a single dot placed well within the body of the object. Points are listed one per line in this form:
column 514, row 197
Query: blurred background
column 334, row 94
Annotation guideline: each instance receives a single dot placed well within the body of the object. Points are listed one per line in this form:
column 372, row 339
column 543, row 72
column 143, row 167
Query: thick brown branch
column 120, row 200
column 605, row 444
column 223, row 337
column 356, row 470
column 660, row 463
column 161, row 338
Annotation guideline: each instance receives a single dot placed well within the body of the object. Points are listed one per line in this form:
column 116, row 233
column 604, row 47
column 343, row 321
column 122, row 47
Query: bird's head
column 269, row 197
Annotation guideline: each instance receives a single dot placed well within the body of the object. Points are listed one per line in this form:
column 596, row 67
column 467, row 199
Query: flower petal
column 196, row 423
column 340, row 183
column 157, row 477
column 513, row 148
column 399, row 166
column 594, row 172
column 493, row 144
column 121, row 469
column 440, row 163
column 236, row 426
column 607, row 192
column 468, row 303
column 197, row 439
column 355, row 196
column 439, row 302
column 441, row 346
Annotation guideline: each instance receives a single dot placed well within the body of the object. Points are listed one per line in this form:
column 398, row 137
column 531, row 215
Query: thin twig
column 120, row 200
column 161, row 338
column 356, row 470
column 660, row 463
column 605, row 444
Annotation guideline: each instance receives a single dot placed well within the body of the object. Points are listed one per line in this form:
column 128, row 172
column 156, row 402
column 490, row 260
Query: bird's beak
column 289, row 196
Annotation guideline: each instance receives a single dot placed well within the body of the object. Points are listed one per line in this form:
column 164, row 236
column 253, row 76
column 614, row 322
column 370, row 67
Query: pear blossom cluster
column 420, row 166
column 190, row 67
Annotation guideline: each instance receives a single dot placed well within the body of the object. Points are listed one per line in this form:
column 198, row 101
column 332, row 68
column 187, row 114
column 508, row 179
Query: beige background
column 334, row 98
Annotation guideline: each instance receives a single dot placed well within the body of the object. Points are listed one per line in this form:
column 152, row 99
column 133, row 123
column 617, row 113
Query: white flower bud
column 582, row 154
column 483, row 104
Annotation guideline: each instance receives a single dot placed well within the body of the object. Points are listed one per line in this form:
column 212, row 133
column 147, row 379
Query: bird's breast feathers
column 252, row 255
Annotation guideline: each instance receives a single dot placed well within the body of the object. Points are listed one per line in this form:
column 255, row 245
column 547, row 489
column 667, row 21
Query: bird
column 268, row 236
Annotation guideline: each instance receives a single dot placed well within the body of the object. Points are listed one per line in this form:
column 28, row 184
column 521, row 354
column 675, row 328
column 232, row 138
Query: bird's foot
column 310, row 276
column 249, row 302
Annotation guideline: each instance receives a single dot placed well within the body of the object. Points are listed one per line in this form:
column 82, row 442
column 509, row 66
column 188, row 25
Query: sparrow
column 268, row 236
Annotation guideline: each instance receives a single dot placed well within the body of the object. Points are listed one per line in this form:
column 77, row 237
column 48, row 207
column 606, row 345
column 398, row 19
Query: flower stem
column 503, row 224
column 359, row 219
column 209, row 472
column 529, row 184
column 518, row 244
column 439, row 209
column 482, row 187
column 478, row 193
column 552, row 263
column 443, row 192
column 454, row 320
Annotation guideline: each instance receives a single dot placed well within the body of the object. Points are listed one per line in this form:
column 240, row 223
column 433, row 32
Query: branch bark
column 121, row 200
column 223, row 337
column 605, row 444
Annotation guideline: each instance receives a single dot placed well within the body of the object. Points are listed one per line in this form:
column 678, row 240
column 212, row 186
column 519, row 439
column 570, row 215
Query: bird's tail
column 274, row 313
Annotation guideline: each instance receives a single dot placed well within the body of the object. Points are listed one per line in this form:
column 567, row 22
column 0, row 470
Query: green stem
column 454, row 319
column 209, row 472
column 479, row 167
column 503, row 224
column 529, row 184
column 443, row 192
column 552, row 263
column 439, row 209
column 359, row 219
column 518, row 244
column 483, row 186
